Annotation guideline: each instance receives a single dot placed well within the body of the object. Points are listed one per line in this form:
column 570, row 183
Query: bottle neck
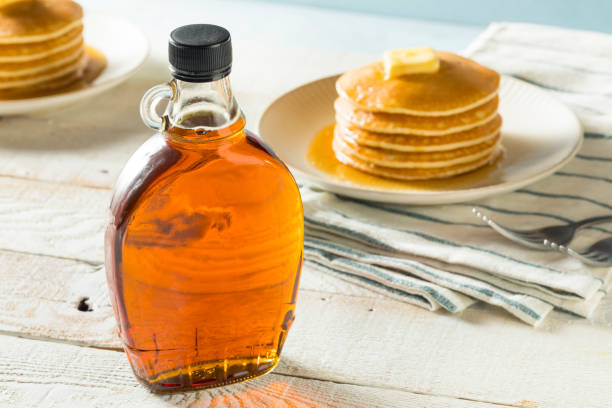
column 203, row 111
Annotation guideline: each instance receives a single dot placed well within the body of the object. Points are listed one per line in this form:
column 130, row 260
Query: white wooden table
column 348, row 347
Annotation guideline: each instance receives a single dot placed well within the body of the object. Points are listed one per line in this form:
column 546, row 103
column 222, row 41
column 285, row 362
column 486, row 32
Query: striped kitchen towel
column 444, row 257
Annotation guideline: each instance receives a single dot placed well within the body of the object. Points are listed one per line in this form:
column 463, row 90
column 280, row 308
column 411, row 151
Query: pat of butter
column 410, row 61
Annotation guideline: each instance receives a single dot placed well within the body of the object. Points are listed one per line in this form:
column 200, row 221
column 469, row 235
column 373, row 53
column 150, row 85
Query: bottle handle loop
column 149, row 102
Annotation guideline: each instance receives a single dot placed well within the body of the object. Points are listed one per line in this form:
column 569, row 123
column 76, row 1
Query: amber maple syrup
column 204, row 248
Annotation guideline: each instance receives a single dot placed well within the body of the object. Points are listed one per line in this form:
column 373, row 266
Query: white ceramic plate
column 125, row 48
column 540, row 135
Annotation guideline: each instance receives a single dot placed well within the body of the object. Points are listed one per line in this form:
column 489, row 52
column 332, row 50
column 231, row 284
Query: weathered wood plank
column 42, row 374
column 482, row 355
column 39, row 297
column 53, row 219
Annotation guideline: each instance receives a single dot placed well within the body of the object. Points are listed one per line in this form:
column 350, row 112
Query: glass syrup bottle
column 204, row 246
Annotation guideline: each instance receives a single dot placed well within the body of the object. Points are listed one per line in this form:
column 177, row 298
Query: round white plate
column 539, row 136
column 125, row 48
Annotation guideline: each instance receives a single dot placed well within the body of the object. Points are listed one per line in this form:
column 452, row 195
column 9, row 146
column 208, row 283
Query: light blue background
column 587, row 14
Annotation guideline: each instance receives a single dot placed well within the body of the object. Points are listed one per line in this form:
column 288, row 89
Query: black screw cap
column 200, row 53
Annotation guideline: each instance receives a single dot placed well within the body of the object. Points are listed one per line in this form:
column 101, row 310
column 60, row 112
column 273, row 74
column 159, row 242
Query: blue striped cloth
column 442, row 257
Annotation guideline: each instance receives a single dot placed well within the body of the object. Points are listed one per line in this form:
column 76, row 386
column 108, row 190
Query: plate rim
column 31, row 105
column 424, row 196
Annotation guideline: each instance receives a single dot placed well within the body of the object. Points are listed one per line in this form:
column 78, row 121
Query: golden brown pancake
column 41, row 88
column 41, row 45
column 390, row 158
column 13, row 69
column 414, row 143
column 24, row 52
column 38, row 79
column 460, row 84
column 348, row 158
column 416, row 125
column 38, row 20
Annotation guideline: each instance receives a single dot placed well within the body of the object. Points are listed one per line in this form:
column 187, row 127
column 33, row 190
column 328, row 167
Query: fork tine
column 592, row 258
column 601, row 256
column 599, row 253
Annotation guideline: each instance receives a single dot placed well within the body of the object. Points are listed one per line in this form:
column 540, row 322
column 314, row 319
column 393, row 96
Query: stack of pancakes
column 41, row 45
column 418, row 126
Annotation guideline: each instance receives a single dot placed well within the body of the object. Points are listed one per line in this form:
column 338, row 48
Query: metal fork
column 598, row 254
column 559, row 234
